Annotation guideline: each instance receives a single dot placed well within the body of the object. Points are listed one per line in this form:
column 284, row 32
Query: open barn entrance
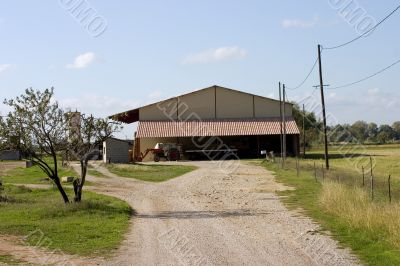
column 243, row 146
column 203, row 148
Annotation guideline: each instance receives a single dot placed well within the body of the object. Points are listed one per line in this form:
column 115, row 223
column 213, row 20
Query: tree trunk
column 78, row 185
column 61, row 189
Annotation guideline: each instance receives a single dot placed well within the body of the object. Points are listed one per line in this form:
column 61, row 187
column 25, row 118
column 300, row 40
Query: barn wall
column 116, row 151
column 163, row 111
column 201, row 103
column 269, row 108
column 232, row 104
column 213, row 102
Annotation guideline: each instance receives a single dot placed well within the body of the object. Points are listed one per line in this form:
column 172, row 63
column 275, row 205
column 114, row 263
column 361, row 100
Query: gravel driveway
column 208, row 217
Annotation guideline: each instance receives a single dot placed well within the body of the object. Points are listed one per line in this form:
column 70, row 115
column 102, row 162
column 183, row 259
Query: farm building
column 212, row 120
column 116, row 150
column 10, row 155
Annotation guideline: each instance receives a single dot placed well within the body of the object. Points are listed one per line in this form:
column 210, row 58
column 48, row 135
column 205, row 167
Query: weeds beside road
column 343, row 206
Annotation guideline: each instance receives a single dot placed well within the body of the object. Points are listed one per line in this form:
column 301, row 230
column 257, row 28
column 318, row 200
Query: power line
column 287, row 98
column 366, row 78
column 306, row 78
column 365, row 33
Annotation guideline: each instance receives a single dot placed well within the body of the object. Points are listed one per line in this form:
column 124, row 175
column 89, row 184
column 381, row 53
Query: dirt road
column 207, row 217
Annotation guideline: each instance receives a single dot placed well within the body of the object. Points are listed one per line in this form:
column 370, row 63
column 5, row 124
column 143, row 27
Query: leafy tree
column 85, row 134
column 396, row 129
column 372, row 132
column 312, row 125
column 3, row 134
column 360, row 130
column 39, row 125
column 386, row 133
column 383, row 137
column 340, row 133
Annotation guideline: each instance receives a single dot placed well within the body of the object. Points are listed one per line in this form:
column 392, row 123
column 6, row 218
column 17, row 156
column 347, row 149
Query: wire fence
column 380, row 187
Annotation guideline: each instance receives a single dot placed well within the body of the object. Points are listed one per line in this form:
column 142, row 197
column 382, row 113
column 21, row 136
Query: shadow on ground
column 201, row 214
column 338, row 155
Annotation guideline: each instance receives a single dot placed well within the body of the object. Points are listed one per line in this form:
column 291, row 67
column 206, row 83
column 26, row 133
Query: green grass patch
column 152, row 173
column 93, row 227
column 93, row 172
column 9, row 260
column 371, row 243
column 32, row 175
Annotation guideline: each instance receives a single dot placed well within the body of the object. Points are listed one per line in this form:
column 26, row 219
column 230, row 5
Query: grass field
column 152, row 173
column 93, row 172
column 342, row 205
column 9, row 260
column 95, row 226
column 32, row 175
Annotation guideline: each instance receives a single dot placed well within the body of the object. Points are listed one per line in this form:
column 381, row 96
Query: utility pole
column 284, row 122
column 321, row 86
column 304, row 132
column 280, row 117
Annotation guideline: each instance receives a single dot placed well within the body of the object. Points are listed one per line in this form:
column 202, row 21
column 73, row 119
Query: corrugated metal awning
column 218, row 127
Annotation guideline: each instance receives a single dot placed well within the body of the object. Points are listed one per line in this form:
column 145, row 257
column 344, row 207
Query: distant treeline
column 358, row 132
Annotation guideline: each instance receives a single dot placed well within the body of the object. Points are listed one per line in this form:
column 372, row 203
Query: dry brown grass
column 354, row 205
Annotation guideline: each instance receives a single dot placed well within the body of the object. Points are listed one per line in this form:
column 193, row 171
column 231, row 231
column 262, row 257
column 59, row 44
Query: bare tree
column 86, row 134
column 39, row 124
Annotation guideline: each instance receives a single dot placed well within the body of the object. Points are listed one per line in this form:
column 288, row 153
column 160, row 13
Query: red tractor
column 169, row 151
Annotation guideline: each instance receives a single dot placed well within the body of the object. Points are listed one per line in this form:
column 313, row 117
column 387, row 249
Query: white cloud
column 332, row 95
column 5, row 67
column 82, row 61
column 155, row 94
column 216, row 55
column 298, row 23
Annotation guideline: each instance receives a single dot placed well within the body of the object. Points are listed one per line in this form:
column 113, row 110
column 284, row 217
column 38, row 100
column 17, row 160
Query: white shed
column 116, row 150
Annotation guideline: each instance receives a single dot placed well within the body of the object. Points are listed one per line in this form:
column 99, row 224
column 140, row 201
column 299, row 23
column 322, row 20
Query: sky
column 119, row 55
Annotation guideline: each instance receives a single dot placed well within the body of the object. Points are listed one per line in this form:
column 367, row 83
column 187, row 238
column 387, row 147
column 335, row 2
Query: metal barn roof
column 218, row 127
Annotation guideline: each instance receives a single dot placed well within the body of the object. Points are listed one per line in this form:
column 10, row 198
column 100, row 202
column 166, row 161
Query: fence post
column 315, row 173
column 390, row 191
column 372, row 179
column 363, row 176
